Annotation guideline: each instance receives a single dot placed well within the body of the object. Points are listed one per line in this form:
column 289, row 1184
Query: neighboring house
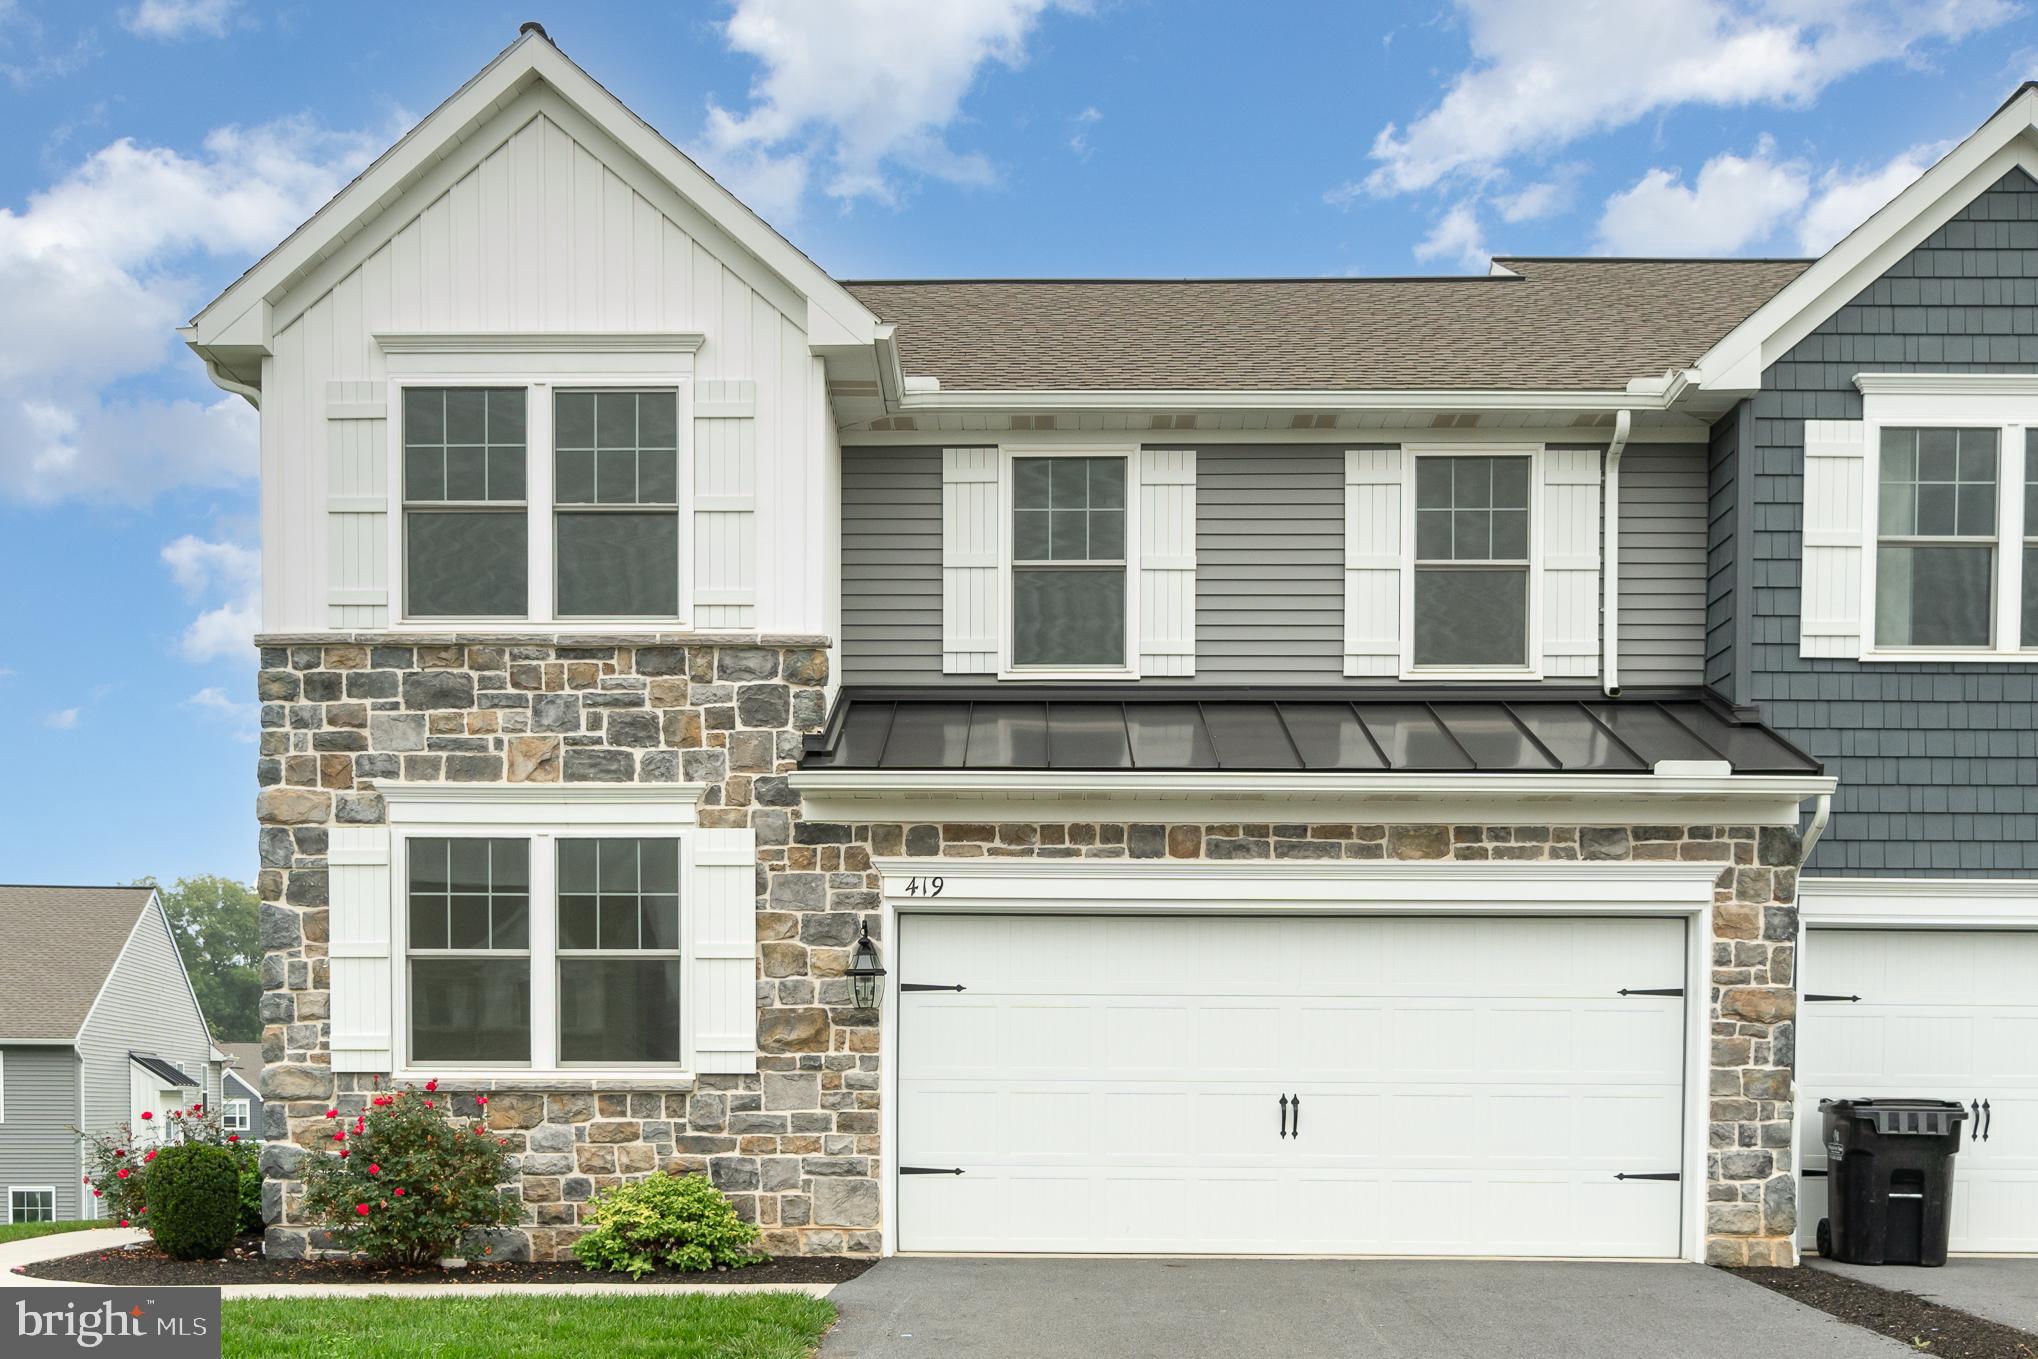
column 240, row 1085
column 98, row 1022
column 1323, row 764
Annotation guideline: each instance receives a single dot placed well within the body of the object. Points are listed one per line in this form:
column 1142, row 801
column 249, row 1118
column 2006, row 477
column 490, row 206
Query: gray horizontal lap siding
column 1937, row 764
column 1662, row 565
column 38, row 1110
column 1270, row 565
column 146, row 1007
column 891, row 565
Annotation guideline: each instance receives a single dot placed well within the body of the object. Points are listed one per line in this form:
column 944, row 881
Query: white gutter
column 1609, row 577
column 1246, row 399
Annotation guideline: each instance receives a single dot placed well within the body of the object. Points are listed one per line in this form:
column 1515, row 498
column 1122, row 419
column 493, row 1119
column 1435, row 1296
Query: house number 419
column 925, row 887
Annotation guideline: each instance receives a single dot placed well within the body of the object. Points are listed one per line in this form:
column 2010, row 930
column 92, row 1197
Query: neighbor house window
column 619, row 955
column 2029, row 631
column 616, row 488
column 1935, row 558
column 1068, row 562
column 233, row 1115
column 469, row 904
column 1471, row 587
column 465, row 545
column 32, row 1205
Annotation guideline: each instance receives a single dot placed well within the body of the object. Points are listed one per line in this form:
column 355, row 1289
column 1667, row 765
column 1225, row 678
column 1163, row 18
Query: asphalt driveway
column 2004, row 1290
column 935, row 1308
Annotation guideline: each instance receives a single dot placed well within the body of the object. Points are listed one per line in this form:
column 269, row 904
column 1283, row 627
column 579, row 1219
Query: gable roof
column 237, row 319
column 1541, row 324
column 57, row 945
column 2007, row 142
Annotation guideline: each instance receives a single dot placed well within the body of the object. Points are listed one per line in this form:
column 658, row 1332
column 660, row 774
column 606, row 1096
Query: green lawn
column 22, row 1231
column 611, row 1326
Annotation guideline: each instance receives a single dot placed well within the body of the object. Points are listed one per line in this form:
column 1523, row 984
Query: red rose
column 432, row 1084
column 121, row 1173
column 86, row 1180
column 344, row 1153
column 428, row 1104
column 118, row 1152
column 340, row 1135
column 399, row 1193
column 146, row 1115
column 374, row 1169
column 332, row 1113
column 481, row 1099
column 361, row 1208
column 97, row 1195
column 148, row 1158
column 123, row 1222
column 233, row 1137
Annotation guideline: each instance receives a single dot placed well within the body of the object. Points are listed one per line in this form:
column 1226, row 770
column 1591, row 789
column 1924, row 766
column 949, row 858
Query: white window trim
column 2006, row 402
column 541, row 813
column 236, row 1115
column 49, row 1189
column 540, row 379
column 1533, row 669
column 1007, row 614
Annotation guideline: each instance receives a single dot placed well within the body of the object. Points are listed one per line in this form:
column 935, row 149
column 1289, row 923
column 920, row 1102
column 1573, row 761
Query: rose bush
column 120, row 1161
column 403, row 1181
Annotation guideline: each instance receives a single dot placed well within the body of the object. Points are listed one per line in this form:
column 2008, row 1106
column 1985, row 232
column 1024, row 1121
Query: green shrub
column 249, row 1192
column 678, row 1221
column 194, row 1200
column 404, row 1182
column 119, row 1161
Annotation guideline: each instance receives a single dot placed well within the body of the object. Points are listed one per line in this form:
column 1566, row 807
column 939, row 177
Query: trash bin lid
column 1896, row 1117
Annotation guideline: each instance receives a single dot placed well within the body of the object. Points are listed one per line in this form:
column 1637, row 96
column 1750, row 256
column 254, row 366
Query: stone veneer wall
column 796, row 1145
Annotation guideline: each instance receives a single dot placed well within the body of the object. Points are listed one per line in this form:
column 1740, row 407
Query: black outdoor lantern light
column 864, row 970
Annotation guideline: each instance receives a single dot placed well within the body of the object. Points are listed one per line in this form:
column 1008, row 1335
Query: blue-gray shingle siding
column 1937, row 764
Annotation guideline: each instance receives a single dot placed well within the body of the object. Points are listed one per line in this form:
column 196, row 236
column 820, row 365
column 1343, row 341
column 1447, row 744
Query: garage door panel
column 1943, row 1014
column 1415, row 1106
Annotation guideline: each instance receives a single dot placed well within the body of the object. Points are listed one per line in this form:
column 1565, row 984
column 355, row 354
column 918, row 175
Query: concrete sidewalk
column 933, row 1308
column 35, row 1250
column 2000, row 1289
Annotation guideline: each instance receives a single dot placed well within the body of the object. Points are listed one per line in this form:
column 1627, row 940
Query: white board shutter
column 1373, row 560
column 725, row 505
column 1835, row 533
column 1568, row 548
column 969, row 561
column 722, row 911
column 1167, row 562
column 361, row 917
column 357, row 504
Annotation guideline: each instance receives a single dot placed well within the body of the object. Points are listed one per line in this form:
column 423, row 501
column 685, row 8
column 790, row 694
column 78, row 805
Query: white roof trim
column 238, row 316
column 1946, row 384
column 1493, row 799
column 1919, row 903
column 1252, row 399
column 2006, row 141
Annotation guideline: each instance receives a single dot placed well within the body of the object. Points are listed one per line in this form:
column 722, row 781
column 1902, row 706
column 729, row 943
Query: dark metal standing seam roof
column 168, row 1070
column 1181, row 728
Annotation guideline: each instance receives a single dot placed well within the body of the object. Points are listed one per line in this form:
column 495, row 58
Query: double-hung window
column 544, row 950
column 1471, row 577
column 465, row 541
column 1069, row 563
column 1936, row 538
column 616, row 492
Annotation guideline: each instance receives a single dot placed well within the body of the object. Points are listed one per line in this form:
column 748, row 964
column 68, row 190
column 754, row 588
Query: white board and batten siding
column 1835, row 532
column 541, row 224
column 1565, row 546
column 973, row 580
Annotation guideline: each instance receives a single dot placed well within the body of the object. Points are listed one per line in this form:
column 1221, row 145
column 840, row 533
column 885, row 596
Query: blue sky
column 153, row 149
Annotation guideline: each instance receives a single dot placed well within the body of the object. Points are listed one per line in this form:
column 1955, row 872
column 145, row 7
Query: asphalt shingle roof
column 56, row 946
column 1563, row 324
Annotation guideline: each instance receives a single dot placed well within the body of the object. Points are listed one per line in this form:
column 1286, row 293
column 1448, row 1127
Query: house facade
column 98, row 1025
column 1322, row 766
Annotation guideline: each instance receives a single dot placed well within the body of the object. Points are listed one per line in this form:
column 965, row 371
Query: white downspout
column 1609, row 576
column 1822, row 812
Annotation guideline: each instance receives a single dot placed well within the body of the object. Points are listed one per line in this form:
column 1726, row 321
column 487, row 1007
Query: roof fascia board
column 1228, row 399
column 2004, row 142
column 833, row 315
column 1529, row 799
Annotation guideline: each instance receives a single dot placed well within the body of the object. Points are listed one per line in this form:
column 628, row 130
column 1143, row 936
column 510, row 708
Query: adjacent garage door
column 1467, row 1086
column 1944, row 1014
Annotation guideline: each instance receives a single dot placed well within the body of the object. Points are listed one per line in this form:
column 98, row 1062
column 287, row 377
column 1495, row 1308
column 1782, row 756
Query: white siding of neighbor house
column 540, row 223
column 38, row 1109
column 146, row 1006
column 1662, row 565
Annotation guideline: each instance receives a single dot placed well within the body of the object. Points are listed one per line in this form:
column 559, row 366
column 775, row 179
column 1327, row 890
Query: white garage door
column 1467, row 1086
column 1943, row 1014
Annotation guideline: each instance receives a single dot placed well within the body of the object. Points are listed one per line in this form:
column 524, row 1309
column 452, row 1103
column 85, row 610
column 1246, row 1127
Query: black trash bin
column 1889, row 1179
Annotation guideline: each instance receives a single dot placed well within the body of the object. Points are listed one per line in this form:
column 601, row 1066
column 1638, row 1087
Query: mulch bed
column 1928, row 1327
column 145, row 1266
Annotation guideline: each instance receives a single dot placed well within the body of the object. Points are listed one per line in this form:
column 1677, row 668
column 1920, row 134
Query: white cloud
column 1542, row 198
column 97, row 270
column 1846, row 200
column 178, row 18
column 858, row 92
column 219, row 571
column 63, row 719
column 1546, row 74
column 1456, row 237
column 1079, row 139
column 1735, row 202
column 243, row 719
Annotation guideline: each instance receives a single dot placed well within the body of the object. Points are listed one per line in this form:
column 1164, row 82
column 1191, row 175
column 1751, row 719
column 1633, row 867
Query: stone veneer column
column 795, row 1144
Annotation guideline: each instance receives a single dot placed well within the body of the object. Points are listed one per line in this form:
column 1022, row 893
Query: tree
column 215, row 922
